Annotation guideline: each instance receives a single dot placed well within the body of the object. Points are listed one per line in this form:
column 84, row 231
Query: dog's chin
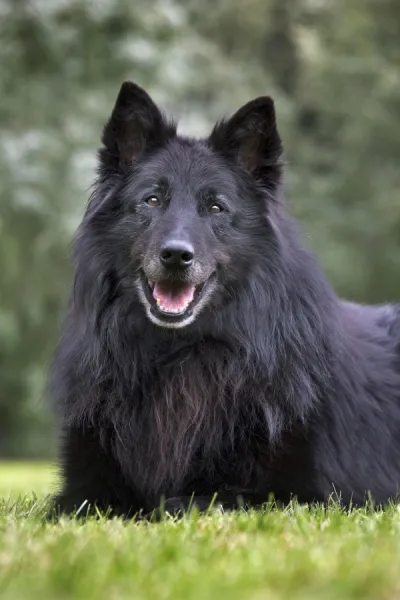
column 173, row 304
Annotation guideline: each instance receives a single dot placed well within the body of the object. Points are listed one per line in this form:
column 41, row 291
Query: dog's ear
column 136, row 126
column 250, row 138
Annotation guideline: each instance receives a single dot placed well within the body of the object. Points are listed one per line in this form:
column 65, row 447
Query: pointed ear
column 250, row 138
column 136, row 126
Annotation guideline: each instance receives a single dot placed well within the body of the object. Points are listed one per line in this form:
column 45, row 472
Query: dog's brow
column 163, row 184
column 207, row 191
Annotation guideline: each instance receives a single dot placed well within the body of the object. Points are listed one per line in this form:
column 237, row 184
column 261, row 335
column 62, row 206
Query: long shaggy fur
column 277, row 386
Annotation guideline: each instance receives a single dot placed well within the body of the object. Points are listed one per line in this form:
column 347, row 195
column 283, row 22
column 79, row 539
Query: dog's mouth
column 173, row 300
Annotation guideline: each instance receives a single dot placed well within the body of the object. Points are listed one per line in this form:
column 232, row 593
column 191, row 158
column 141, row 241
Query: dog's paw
column 178, row 506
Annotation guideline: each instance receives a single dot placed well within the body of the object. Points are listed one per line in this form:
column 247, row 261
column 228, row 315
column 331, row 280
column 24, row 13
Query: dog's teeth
column 171, row 311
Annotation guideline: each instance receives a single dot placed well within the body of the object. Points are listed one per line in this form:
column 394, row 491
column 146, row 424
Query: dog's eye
column 215, row 209
column 153, row 201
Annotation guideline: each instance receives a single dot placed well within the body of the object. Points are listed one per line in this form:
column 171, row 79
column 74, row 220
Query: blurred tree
column 332, row 67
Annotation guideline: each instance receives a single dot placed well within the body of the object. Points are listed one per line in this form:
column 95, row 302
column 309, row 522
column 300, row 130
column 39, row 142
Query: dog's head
column 183, row 220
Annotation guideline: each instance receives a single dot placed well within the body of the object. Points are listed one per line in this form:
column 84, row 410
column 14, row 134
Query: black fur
column 277, row 386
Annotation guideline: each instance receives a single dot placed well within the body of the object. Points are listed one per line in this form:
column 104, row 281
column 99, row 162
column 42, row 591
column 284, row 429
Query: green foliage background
column 331, row 65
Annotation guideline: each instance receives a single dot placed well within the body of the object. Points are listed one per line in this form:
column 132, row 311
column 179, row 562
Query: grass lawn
column 296, row 553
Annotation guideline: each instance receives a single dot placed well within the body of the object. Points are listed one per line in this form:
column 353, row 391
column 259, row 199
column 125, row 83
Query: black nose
column 176, row 253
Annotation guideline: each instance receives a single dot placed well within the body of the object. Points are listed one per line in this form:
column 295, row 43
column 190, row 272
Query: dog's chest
column 180, row 428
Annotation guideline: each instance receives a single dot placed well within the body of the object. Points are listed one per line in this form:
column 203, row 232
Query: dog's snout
column 177, row 254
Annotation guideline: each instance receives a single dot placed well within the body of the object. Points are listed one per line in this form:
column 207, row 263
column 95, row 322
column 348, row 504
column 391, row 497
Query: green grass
column 296, row 553
column 22, row 478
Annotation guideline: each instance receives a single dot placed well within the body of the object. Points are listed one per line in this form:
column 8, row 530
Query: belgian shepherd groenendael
column 204, row 351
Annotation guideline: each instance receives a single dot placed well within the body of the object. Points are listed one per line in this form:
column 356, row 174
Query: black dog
column 204, row 351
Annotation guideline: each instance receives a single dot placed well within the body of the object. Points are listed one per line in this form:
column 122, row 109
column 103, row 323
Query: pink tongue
column 172, row 297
